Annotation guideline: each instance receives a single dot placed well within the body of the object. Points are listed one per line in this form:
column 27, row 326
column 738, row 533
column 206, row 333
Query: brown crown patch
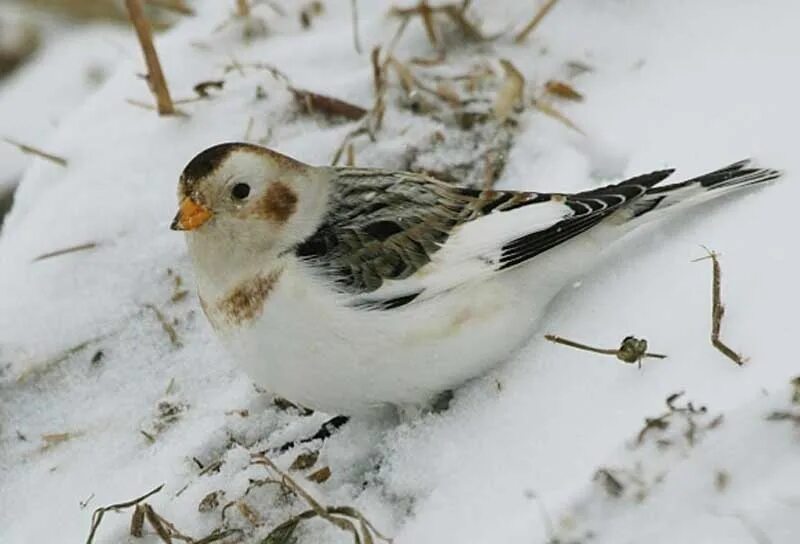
column 278, row 203
column 246, row 301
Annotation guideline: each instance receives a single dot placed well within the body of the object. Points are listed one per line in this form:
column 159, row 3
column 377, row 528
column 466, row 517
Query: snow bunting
column 343, row 289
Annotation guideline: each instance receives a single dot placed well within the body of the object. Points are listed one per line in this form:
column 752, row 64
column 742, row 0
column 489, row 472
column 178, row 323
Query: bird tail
column 739, row 175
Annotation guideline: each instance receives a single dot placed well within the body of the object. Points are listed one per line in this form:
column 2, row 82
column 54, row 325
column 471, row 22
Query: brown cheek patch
column 246, row 302
column 278, row 203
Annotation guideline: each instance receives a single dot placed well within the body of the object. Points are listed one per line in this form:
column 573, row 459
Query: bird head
column 249, row 196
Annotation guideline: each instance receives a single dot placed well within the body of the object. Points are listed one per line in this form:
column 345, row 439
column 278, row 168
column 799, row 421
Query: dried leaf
column 156, row 523
column 210, row 502
column 563, row 90
column 305, row 460
column 202, row 88
column 137, row 521
column 331, row 107
column 321, row 475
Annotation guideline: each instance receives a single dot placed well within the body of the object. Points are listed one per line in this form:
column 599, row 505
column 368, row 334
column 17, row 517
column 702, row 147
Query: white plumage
column 348, row 289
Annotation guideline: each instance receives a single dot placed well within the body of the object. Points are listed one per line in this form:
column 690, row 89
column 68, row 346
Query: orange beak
column 190, row 216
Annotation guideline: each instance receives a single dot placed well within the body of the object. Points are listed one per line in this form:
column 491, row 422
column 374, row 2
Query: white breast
column 308, row 347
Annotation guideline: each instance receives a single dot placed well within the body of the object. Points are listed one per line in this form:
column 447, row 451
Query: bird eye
column 240, row 191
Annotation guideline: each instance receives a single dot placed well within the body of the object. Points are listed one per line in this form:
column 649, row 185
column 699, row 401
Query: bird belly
column 308, row 347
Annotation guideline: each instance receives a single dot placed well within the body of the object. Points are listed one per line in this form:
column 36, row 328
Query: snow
column 69, row 65
column 694, row 85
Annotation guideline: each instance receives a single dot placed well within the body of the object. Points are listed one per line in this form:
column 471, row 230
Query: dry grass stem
column 166, row 325
column 39, row 369
column 65, row 251
column 356, row 38
column 533, row 23
column 54, row 439
column 550, row 111
column 510, row 93
column 242, row 8
column 426, row 14
column 631, row 350
column 150, row 107
column 98, row 514
column 718, row 309
column 456, row 12
column 155, row 76
column 344, row 517
column 30, row 150
column 178, row 6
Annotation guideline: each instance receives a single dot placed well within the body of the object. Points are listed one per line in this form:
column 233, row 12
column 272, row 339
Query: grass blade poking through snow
column 155, row 76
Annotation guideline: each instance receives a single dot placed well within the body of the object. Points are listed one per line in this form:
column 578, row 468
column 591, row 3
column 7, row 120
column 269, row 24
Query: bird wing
column 390, row 238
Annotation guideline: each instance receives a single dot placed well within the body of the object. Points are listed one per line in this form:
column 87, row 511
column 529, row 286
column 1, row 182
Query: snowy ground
column 548, row 448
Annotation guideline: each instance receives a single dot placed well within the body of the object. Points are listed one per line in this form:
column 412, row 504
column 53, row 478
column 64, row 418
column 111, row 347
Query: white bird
column 347, row 289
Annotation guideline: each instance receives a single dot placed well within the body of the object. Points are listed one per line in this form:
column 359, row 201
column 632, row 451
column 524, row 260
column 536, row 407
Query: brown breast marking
column 246, row 301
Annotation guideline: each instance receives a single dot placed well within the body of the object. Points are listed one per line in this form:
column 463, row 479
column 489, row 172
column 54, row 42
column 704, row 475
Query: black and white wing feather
column 392, row 238
column 385, row 237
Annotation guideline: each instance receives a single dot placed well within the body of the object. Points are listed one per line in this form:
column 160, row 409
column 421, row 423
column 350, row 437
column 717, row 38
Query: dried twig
column 37, row 152
column 533, row 23
column 65, row 251
column 98, row 514
column 631, row 350
column 155, row 76
column 340, row 516
column 166, row 325
column 718, row 309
